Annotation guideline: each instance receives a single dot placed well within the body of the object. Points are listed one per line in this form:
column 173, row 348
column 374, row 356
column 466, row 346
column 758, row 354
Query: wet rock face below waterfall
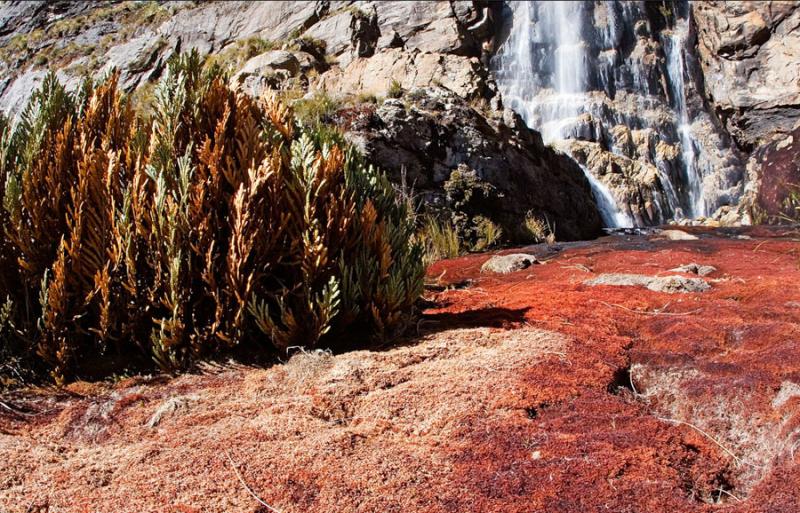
column 632, row 181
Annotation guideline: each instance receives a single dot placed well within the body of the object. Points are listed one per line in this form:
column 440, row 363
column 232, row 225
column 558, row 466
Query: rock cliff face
column 667, row 107
column 431, row 132
column 750, row 58
column 365, row 45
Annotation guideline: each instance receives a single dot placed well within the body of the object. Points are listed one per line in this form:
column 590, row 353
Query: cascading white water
column 676, row 67
column 564, row 60
column 612, row 216
column 561, row 23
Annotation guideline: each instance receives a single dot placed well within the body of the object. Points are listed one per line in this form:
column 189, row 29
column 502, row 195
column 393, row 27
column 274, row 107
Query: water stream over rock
column 609, row 83
column 674, row 47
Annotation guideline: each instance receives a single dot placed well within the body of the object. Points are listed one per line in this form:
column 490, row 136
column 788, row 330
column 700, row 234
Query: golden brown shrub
column 217, row 223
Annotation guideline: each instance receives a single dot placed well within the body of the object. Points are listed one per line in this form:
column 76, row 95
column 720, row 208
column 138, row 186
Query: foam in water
column 558, row 59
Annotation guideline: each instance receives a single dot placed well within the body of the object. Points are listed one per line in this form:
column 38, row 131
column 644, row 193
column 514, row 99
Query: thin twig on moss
column 728, row 451
column 647, row 312
column 246, row 487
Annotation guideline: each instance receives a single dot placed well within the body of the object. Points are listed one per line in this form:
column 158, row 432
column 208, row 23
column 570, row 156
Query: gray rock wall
column 750, row 58
column 449, row 117
column 750, row 55
column 746, row 90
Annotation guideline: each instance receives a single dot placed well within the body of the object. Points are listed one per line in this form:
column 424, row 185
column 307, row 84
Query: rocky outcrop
column 665, row 104
column 416, row 44
column 633, row 182
column 677, row 101
column 750, row 55
column 429, row 133
column 463, row 75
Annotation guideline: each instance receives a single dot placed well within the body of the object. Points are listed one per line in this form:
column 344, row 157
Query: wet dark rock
column 431, row 132
column 776, row 165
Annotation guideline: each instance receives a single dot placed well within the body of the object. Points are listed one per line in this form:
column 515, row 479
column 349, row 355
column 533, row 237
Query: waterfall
column 612, row 216
column 676, row 67
column 575, row 69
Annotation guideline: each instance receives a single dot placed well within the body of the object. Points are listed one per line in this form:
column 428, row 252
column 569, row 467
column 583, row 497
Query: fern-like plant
column 217, row 222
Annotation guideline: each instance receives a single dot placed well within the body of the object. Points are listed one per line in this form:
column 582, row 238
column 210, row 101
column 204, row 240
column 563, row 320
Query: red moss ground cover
column 525, row 392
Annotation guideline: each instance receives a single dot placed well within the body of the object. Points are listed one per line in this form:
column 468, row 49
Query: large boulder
column 431, row 132
column 504, row 264
column 362, row 28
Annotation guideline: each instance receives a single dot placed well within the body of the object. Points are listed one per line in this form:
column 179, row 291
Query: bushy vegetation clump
column 456, row 225
column 536, row 230
column 217, row 223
